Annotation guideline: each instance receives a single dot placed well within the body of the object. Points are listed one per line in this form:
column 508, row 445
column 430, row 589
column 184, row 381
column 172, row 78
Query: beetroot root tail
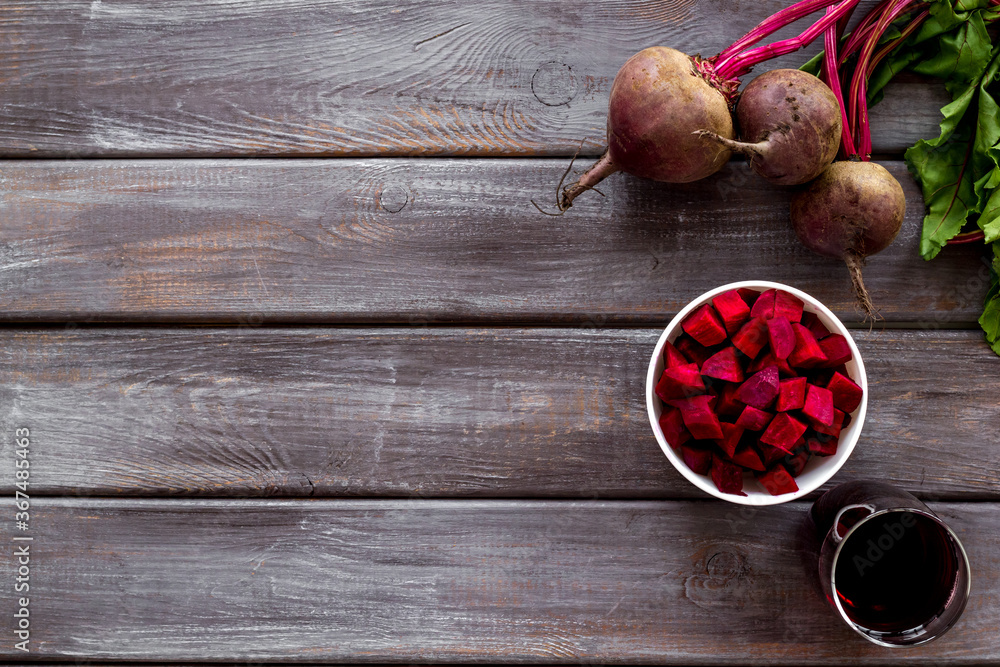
column 741, row 147
column 854, row 263
column 597, row 173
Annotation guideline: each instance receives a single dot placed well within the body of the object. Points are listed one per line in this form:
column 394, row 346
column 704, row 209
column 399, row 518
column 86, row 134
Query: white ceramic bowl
column 819, row 469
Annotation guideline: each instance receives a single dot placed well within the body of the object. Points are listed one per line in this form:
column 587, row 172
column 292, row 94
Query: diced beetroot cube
column 748, row 458
column 748, row 295
column 699, row 418
column 781, row 337
column 788, row 306
column 724, row 365
column 847, row 394
column 819, row 405
column 731, row 435
column 680, row 382
column 693, row 350
column 839, row 417
column 811, row 322
column 836, row 349
column 768, row 359
column 791, row 394
column 777, row 481
column 752, row 337
column 763, row 307
column 822, row 445
column 705, row 326
column 760, row 389
column 753, row 419
column 699, row 460
column 769, row 454
column 783, row 432
column 796, row 462
column 672, row 425
column 733, row 310
column 807, row 352
column 673, row 357
column 729, row 405
column 728, row 477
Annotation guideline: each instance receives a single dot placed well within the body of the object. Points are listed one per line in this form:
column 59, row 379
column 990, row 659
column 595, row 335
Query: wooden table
column 294, row 396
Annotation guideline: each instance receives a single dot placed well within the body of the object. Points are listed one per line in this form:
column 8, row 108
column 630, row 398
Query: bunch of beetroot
column 671, row 119
column 755, row 384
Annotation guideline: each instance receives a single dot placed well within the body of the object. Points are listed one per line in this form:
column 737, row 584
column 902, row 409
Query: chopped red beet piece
column 728, row 477
column 748, row 458
column 672, row 425
column 699, row 418
column 763, row 307
column 768, row 359
column 847, row 394
column 731, row 435
column 748, row 295
column 705, row 326
column 693, row 350
column 783, row 432
column 781, row 337
column 729, row 405
column 753, row 419
column 839, row 417
column 760, row 389
column 819, row 405
column 680, row 382
column 724, row 365
column 791, row 394
column 673, row 357
column 733, row 310
column 777, row 481
column 796, row 462
column 752, row 337
column 788, row 306
column 699, row 460
column 836, row 349
column 811, row 322
column 769, row 454
column 822, row 445
column 807, row 352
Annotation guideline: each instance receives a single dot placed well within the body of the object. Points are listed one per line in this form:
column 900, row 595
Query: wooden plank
column 356, row 241
column 457, row 582
column 346, row 78
column 434, row 412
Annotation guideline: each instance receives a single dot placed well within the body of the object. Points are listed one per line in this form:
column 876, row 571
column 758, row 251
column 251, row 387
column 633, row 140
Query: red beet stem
column 858, row 96
column 969, row 237
column 832, row 78
column 597, row 173
column 911, row 27
column 771, row 25
column 742, row 63
column 860, row 33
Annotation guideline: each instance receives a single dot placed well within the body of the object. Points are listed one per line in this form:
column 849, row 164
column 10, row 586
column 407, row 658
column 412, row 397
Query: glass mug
column 889, row 566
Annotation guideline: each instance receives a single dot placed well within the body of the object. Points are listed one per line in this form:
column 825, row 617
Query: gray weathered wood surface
column 415, row 241
column 435, row 412
column 343, row 77
column 458, row 581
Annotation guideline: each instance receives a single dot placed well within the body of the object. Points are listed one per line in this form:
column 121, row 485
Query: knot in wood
column 393, row 198
column 554, row 84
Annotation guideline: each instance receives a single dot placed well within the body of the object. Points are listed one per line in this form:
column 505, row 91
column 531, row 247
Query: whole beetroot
column 790, row 123
column 659, row 99
column 853, row 210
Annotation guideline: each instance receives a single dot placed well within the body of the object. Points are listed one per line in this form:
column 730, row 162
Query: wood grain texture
column 351, row 78
column 458, row 582
column 434, row 412
column 413, row 241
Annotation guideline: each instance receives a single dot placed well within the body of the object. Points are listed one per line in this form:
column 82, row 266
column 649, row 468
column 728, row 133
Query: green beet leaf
column 990, row 319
